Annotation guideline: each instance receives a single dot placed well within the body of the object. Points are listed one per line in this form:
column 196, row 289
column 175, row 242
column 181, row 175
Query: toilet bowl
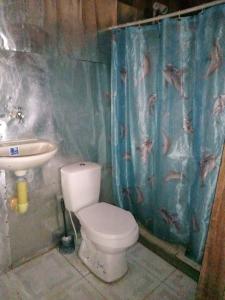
column 107, row 231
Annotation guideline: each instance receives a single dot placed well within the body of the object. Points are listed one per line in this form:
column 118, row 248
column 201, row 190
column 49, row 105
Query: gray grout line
column 147, row 270
column 152, row 291
column 89, row 272
column 163, row 282
column 16, row 285
column 172, row 287
column 67, row 260
column 170, row 275
column 94, row 286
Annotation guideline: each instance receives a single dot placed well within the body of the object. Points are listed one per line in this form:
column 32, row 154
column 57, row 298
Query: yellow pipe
column 22, row 196
column 19, row 203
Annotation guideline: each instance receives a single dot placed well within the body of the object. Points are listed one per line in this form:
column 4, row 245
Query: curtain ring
column 179, row 18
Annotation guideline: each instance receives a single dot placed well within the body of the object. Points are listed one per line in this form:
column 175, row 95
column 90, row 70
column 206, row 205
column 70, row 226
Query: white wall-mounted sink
column 20, row 155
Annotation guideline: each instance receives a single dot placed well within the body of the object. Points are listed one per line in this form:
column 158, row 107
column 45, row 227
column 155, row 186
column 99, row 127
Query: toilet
column 107, row 231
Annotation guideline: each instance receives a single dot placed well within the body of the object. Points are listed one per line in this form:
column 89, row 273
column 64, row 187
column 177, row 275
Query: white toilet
column 107, row 231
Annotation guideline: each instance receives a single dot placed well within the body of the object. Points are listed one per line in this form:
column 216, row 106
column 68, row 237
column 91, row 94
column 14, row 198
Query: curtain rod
column 170, row 15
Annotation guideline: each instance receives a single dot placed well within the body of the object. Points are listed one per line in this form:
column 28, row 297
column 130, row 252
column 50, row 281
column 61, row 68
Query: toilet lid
column 107, row 220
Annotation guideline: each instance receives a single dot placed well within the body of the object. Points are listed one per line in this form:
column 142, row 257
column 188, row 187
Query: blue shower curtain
column 168, row 123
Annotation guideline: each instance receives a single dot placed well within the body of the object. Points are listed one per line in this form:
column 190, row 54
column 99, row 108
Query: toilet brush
column 67, row 240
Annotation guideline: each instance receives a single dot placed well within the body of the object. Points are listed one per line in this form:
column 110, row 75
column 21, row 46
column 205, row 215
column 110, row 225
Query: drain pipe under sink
column 19, row 203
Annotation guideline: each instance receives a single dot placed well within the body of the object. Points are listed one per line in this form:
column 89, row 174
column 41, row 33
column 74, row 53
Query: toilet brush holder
column 66, row 244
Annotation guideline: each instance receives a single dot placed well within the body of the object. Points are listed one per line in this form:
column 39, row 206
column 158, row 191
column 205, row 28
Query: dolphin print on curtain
column 168, row 123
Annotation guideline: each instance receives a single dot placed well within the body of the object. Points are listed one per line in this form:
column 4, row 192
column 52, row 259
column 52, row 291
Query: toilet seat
column 108, row 224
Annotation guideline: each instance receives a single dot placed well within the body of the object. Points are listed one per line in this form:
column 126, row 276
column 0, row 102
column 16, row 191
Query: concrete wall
column 61, row 81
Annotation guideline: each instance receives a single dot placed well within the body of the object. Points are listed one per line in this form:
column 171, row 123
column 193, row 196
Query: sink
column 20, row 155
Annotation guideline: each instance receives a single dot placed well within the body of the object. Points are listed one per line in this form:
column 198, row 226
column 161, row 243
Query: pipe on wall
column 170, row 15
column 19, row 203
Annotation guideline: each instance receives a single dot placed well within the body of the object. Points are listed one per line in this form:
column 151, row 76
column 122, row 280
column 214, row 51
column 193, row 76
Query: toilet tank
column 80, row 184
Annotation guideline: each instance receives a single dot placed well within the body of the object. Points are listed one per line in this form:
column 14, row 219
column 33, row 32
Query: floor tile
column 15, row 284
column 135, row 285
column 53, row 276
column 7, row 291
column 163, row 292
column 75, row 261
column 183, row 285
column 44, row 273
column 150, row 261
column 81, row 290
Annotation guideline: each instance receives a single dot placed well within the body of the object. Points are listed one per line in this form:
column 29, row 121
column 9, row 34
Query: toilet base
column 108, row 267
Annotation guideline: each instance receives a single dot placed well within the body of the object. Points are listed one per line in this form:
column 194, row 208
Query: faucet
column 18, row 114
column 12, row 113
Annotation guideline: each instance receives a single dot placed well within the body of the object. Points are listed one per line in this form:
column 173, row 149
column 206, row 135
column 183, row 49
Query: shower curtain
column 168, row 123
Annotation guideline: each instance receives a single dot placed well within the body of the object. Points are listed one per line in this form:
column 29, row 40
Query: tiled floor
column 53, row 276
